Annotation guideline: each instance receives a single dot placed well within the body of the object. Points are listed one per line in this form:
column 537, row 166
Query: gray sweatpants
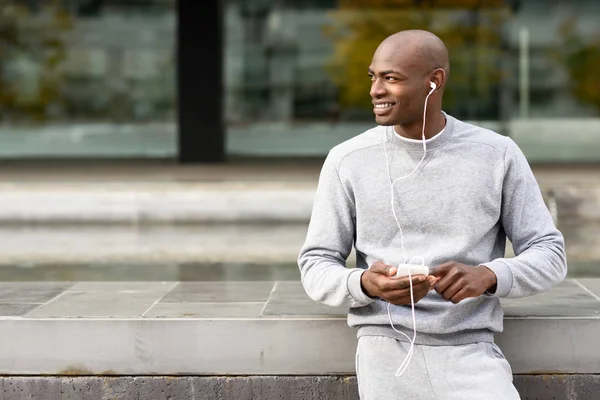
column 475, row 371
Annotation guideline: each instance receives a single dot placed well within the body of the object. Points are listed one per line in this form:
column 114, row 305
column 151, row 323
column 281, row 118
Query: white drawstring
column 409, row 355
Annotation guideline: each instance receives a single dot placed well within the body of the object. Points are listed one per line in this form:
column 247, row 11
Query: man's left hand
column 457, row 281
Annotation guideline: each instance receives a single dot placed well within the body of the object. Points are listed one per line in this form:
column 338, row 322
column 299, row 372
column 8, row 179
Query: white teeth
column 386, row 105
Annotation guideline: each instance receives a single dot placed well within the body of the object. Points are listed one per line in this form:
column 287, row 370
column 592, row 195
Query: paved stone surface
column 104, row 299
column 16, row 309
column 530, row 387
column 290, row 299
column 593, row 285
column 31, row 292
column 196, row 292
column 233, row 299
column 78, row 305
column 566, row 299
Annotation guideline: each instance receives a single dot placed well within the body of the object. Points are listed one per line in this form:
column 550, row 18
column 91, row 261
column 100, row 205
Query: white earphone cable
column 410, row 352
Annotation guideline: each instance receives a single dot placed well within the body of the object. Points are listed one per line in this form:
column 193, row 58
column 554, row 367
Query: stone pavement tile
column 104, row 299
column 123, row 286
column 291, row 291
column 219, row 292
column 16, row 309
column 289, row 299
column 205, row 310
column 591, row 284
column 566, row 299
column 31, row 292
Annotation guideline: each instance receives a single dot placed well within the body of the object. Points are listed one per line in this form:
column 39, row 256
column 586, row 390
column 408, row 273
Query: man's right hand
column 379, row 281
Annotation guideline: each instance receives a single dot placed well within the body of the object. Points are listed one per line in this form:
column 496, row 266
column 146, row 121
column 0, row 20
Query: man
column 454, row 205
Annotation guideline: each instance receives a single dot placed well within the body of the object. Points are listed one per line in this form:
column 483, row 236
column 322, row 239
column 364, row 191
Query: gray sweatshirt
column 473, row 190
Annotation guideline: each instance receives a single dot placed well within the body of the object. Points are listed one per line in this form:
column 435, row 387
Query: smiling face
column 399, row 83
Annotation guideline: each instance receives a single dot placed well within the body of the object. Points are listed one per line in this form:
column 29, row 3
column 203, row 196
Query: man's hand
column 379, row 281
column 456, row 281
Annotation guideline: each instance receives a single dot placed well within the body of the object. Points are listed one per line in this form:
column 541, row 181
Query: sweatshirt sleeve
column 540, row 259
column 322, row 259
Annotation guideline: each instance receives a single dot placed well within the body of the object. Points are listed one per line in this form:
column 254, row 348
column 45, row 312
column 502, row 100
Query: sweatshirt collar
column 417, row 145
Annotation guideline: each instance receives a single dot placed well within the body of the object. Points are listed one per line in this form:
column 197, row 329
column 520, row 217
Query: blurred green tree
column 31, row 50
column 581, row 59
column 471, row 30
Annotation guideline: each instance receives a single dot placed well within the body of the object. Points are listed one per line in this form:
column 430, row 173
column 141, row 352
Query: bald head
column 424, row 49
column 402, row 71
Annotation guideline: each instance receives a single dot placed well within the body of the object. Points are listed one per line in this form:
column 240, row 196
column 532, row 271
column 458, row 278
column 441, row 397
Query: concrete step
column 133, row 203
column 164, row 251
column 258, row 193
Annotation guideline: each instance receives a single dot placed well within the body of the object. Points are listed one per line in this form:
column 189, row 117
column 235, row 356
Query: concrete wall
column 538, row 387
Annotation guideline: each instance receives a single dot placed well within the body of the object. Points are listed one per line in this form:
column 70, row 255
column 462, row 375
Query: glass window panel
column 87, row 78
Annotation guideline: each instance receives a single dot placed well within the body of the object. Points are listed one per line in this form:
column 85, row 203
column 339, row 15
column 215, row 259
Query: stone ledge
column 249, row 328
column 255, row 347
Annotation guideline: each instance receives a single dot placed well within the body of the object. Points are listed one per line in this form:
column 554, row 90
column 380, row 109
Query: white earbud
column 432, row 85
